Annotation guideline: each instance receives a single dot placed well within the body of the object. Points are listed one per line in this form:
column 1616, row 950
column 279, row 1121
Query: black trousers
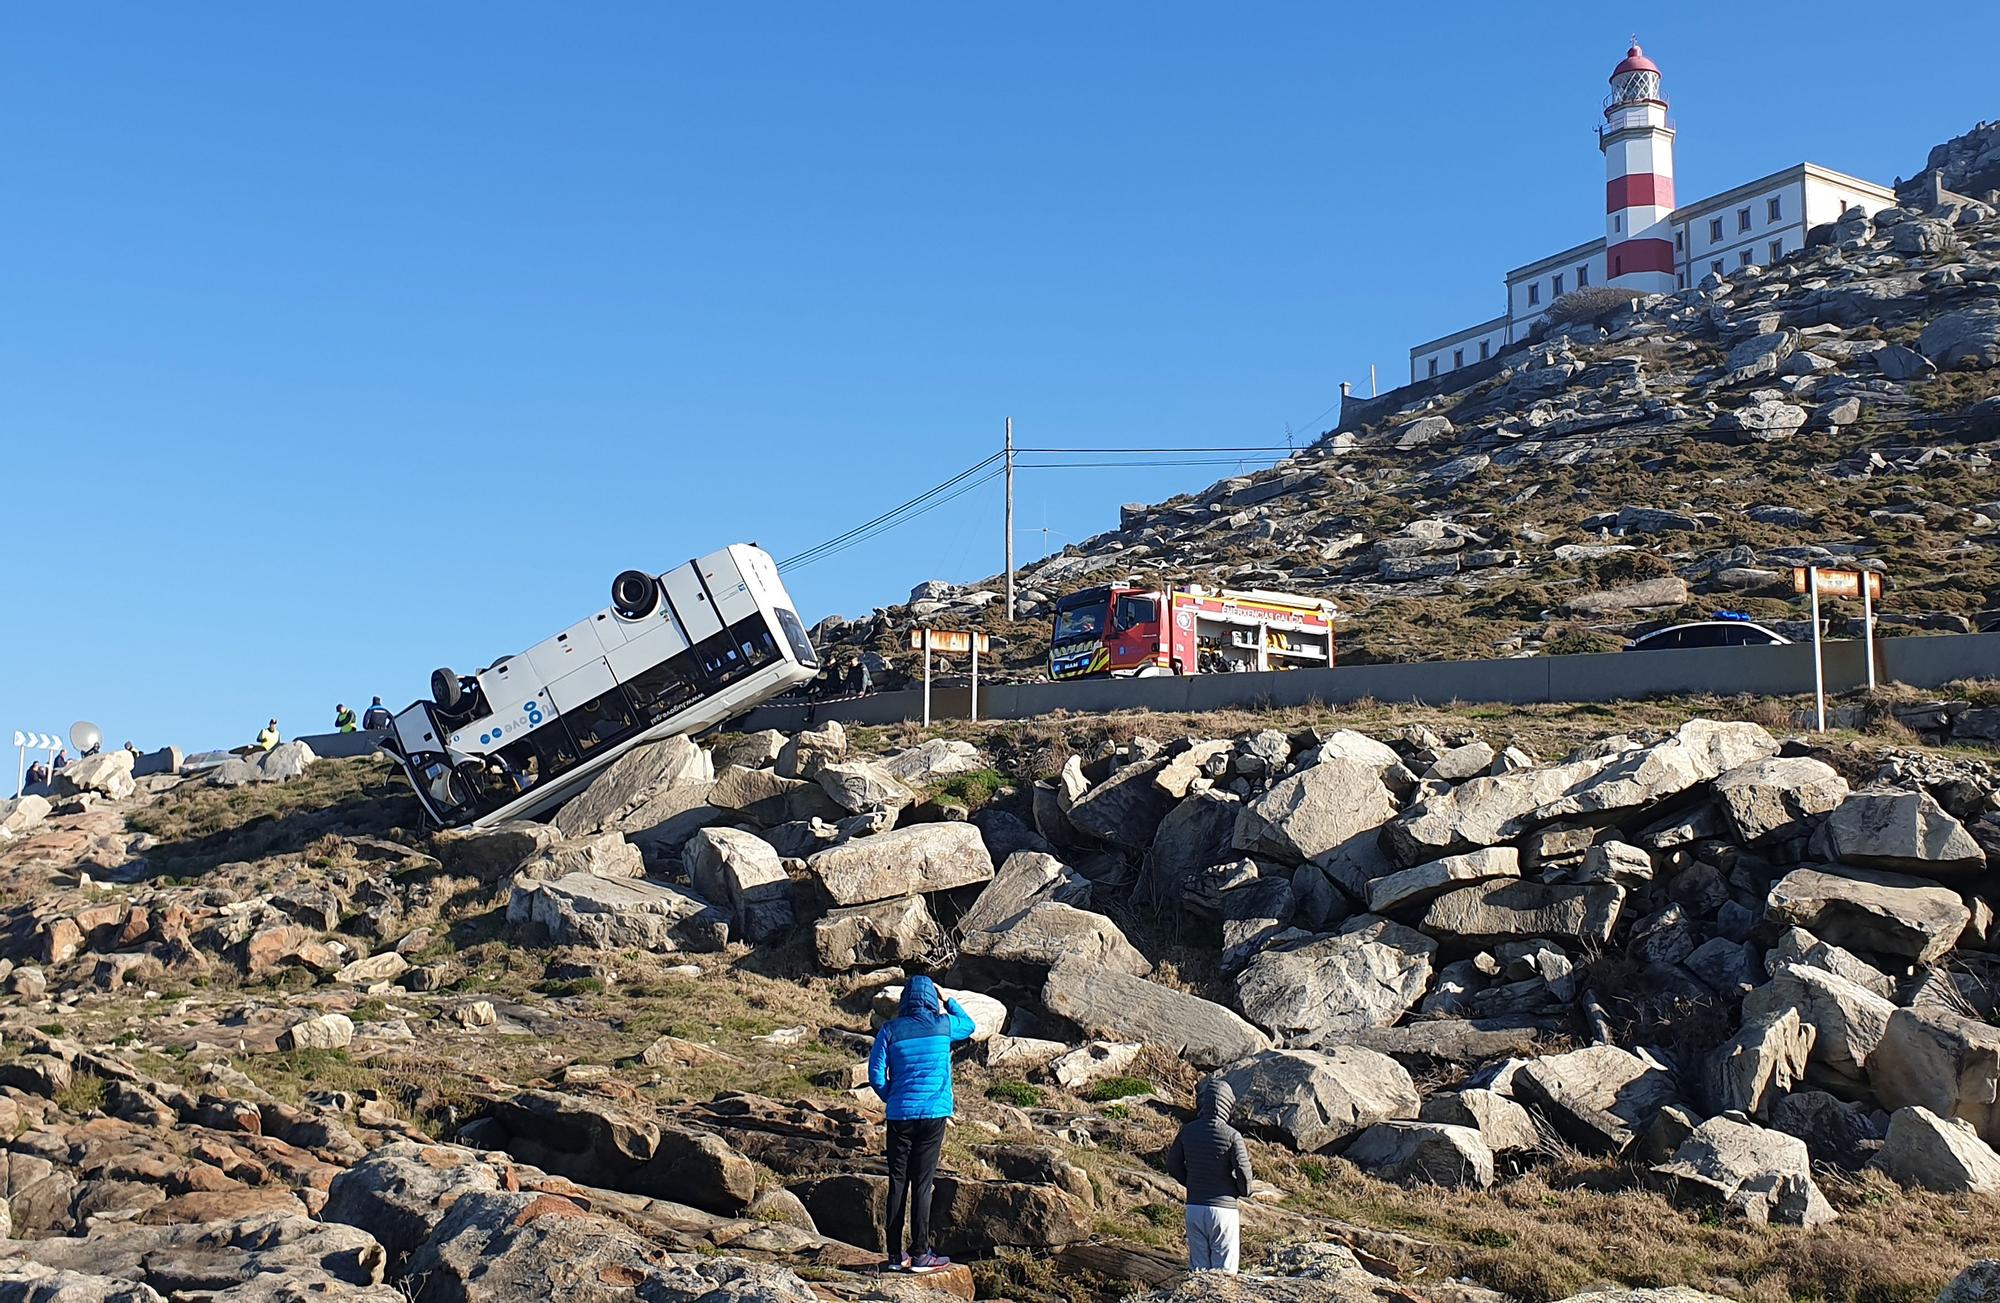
column 913, row 1160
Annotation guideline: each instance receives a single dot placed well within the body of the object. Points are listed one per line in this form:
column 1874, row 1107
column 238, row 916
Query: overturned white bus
column 673, row 653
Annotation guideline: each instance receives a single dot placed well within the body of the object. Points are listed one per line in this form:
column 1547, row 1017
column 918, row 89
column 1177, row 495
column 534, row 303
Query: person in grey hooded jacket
column 1209, row 1158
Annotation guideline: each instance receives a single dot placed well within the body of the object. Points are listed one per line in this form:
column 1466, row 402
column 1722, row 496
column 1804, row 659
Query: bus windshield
column 1082, row 621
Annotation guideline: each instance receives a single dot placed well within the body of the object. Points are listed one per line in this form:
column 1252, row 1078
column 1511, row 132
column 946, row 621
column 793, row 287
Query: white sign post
column 26, row 742
column 1864, row 584
column 949, row 640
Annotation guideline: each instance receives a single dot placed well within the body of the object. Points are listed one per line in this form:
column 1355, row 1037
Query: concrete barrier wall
column 1612, row 676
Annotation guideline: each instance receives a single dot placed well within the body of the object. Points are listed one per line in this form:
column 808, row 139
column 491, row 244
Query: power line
column 1261, row 447
column 839, row 540
column 891, row 519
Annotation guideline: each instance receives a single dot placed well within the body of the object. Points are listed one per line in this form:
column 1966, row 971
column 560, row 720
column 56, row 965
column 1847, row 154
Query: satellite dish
column 83, row 735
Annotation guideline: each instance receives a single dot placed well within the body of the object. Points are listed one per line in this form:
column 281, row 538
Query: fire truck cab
column 1128, row 629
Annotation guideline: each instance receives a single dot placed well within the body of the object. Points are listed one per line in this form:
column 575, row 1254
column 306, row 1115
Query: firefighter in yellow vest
column 344, row 719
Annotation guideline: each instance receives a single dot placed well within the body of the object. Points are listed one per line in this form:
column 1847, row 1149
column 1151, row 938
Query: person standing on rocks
column 268, row 738
column 1210, row 1159
column 909, row 1066
column 344, row 720
column 377, row 715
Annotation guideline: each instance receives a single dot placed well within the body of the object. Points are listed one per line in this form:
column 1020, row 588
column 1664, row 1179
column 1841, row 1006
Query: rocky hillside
column 1509, row 1014
column 1646, row 461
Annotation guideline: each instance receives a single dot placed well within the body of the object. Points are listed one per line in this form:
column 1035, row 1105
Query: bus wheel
column 445, row 690
column 635, row 594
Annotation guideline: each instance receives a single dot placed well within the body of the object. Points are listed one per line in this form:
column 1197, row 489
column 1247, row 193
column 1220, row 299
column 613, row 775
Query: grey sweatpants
column 1211, row 1238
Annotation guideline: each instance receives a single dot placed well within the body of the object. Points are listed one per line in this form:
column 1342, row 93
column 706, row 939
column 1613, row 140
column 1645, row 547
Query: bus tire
column 445, row 690
column 635, row 594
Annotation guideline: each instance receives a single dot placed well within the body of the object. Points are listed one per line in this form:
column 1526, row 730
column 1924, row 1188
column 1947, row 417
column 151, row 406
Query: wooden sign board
column 1837, row 583
column 948, row 640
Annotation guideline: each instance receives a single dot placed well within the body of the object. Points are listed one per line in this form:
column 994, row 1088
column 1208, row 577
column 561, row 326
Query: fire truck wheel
column 445, row 690
column 635, row 594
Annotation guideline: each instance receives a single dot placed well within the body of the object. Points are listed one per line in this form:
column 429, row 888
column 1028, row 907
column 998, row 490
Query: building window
column 1777, row 250
column 1434, row 367
column 1583, row 276
column 1742, row 219
column 1681, row 281
column 1680, row 241
column 1457, row 358
column 1534, row 293
column 1715, row 230
column 1485, row 349
column 1618, row 265
column 1716, row 266
column 1774, row 209
column 1556, row 286
column 1743, row 258
column 1617, row 221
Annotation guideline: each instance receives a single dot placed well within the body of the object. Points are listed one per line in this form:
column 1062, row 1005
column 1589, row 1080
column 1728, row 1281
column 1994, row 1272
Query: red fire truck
column 1128, row 629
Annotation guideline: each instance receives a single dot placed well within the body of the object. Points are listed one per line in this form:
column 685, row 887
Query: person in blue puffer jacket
column 910, row 1068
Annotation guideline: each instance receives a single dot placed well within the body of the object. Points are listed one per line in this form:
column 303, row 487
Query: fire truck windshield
column 1084, row 620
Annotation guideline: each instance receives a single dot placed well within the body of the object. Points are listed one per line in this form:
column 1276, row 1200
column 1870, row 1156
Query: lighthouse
column 1638, row 150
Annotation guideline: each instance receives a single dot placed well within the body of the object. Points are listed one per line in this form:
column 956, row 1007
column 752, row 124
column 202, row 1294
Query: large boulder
column 922, row 858
column 492, row 1248
column 1835, row 1131
column 767, row 799
column 627, row 782
column 1315, row 810
column 1118, row 1006
column 1023, row 880
column 1699, row 751
column 1126, row 808
column 1368, row 974
column 616, row 914
column 1760, row 1175
column 1967, row 339
column 399, row 1191
column 1909, row 832
column 1504, row 1125
column 108, row 773
column 1426, row 1153
column 1979, row 1283
column 1930, row 1152
column 1314, row 1100
column 1761, row 1063
column 803, row 755
column 1600, row 1098
column 596, row 1142
column 1482, row 811
column 1943, row 1062
column 743, row 876
column 1422, row 883
column 1773, row 798
column 494, row 852
column 1049, row 933
column 861, row 787
column 22, row 814
column 603, row 855
column 1508, row 910
column 234, row 1260
column 1884, row 913
column 933, row 761
column 1197, row 834
column 875, row 935
column 1795, row 945
column 1848, row 1020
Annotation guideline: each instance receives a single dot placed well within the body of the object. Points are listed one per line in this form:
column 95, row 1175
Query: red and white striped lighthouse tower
column 1638, row 150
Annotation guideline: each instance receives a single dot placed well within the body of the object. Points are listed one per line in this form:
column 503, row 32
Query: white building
column 1650, row 244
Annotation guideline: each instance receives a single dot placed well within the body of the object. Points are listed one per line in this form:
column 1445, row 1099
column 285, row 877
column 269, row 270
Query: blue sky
column 344, row 341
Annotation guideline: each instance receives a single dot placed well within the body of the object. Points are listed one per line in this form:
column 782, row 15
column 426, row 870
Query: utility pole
column 1010, row 517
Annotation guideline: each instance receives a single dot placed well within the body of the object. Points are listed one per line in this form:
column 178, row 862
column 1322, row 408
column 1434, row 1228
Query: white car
column 675, row 652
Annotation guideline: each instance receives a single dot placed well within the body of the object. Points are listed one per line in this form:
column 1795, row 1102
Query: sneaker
column 928, row 1262
column 897, row 1264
